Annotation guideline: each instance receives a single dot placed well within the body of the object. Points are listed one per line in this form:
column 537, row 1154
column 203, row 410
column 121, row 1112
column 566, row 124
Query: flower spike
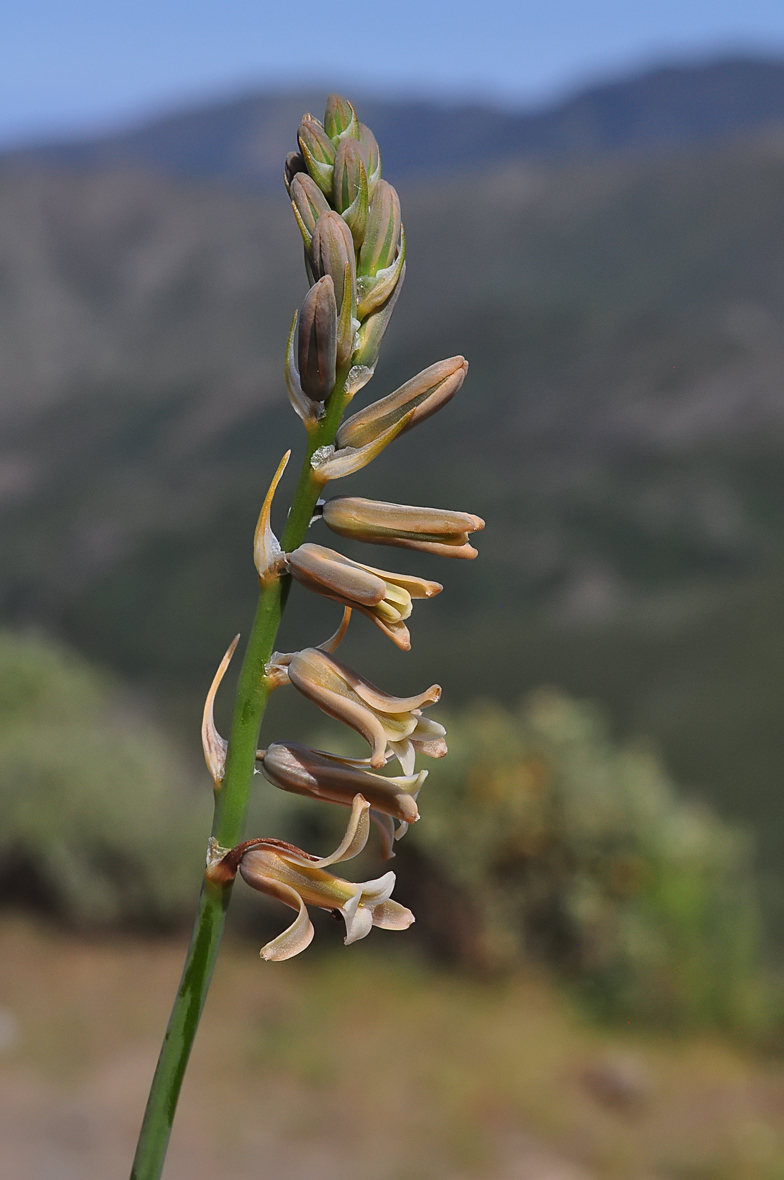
column 214, row 746
column 267, row 553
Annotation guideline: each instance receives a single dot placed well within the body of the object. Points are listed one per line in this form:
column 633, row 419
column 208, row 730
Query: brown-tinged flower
column 317, row 341
column 418, row 399
column 384, row 597
column 294, row 164
column 385, row 722
column 214, row 746
column 320, row 775
column 432, row 530
column 332, row 253
column 299, row 879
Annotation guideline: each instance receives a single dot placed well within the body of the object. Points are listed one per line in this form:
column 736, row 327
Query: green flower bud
column 374, row 290
column 350, row 188
column 417, row 400
column 367, row 141
column 317, row 335
column 371, row 333
column 382, row 233
column 318, row 151
column 340, row 119
column 308, row 203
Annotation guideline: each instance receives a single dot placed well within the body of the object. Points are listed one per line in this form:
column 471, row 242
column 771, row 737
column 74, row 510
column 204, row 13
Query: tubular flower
column 385, row 722
column 382, row 596
column 299, row 879
column 320, row 775
column 420, row 397
column 429, row 529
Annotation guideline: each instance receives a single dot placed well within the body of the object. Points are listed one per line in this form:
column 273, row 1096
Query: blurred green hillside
column 621, row 430
column 546, row 843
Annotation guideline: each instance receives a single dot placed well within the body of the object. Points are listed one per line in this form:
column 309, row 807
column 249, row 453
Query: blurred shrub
column 98, row 824
column 555, row 843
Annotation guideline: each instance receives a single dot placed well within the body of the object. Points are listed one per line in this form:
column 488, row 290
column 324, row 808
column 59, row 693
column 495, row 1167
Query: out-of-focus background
column 593, row 198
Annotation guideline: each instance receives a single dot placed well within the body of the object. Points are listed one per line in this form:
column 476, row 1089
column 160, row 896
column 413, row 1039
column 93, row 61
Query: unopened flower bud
column 317, row 339
column 309, row 410
column 382, row 235
column 373, row 291
column 371, row 332
column 332, row 253
column 424, row 394
column 329, row 463
column 384, row 597
column 308, row 203
column 428, row 529
column 331, row 250
column 318, row 152
column 367, row 141
column 350, row 188
column 384, row 721
column 340, row 119
column 295, row 163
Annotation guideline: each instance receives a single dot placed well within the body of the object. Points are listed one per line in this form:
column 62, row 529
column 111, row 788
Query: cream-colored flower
column 384, row 597
column 431, row 530
column 384, row 721
column 415, row 401
column 321, row 775
column 298, row 879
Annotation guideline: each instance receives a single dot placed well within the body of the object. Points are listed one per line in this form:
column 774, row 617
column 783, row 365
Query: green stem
column 231, row 806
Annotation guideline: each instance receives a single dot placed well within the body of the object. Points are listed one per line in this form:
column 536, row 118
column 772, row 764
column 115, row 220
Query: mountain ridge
column 242, row 140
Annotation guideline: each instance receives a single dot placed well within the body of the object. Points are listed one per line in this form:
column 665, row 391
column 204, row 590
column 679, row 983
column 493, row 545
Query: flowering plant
column 355, row 252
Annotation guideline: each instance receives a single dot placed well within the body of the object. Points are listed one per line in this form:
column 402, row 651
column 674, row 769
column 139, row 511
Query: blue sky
column 67, row 66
